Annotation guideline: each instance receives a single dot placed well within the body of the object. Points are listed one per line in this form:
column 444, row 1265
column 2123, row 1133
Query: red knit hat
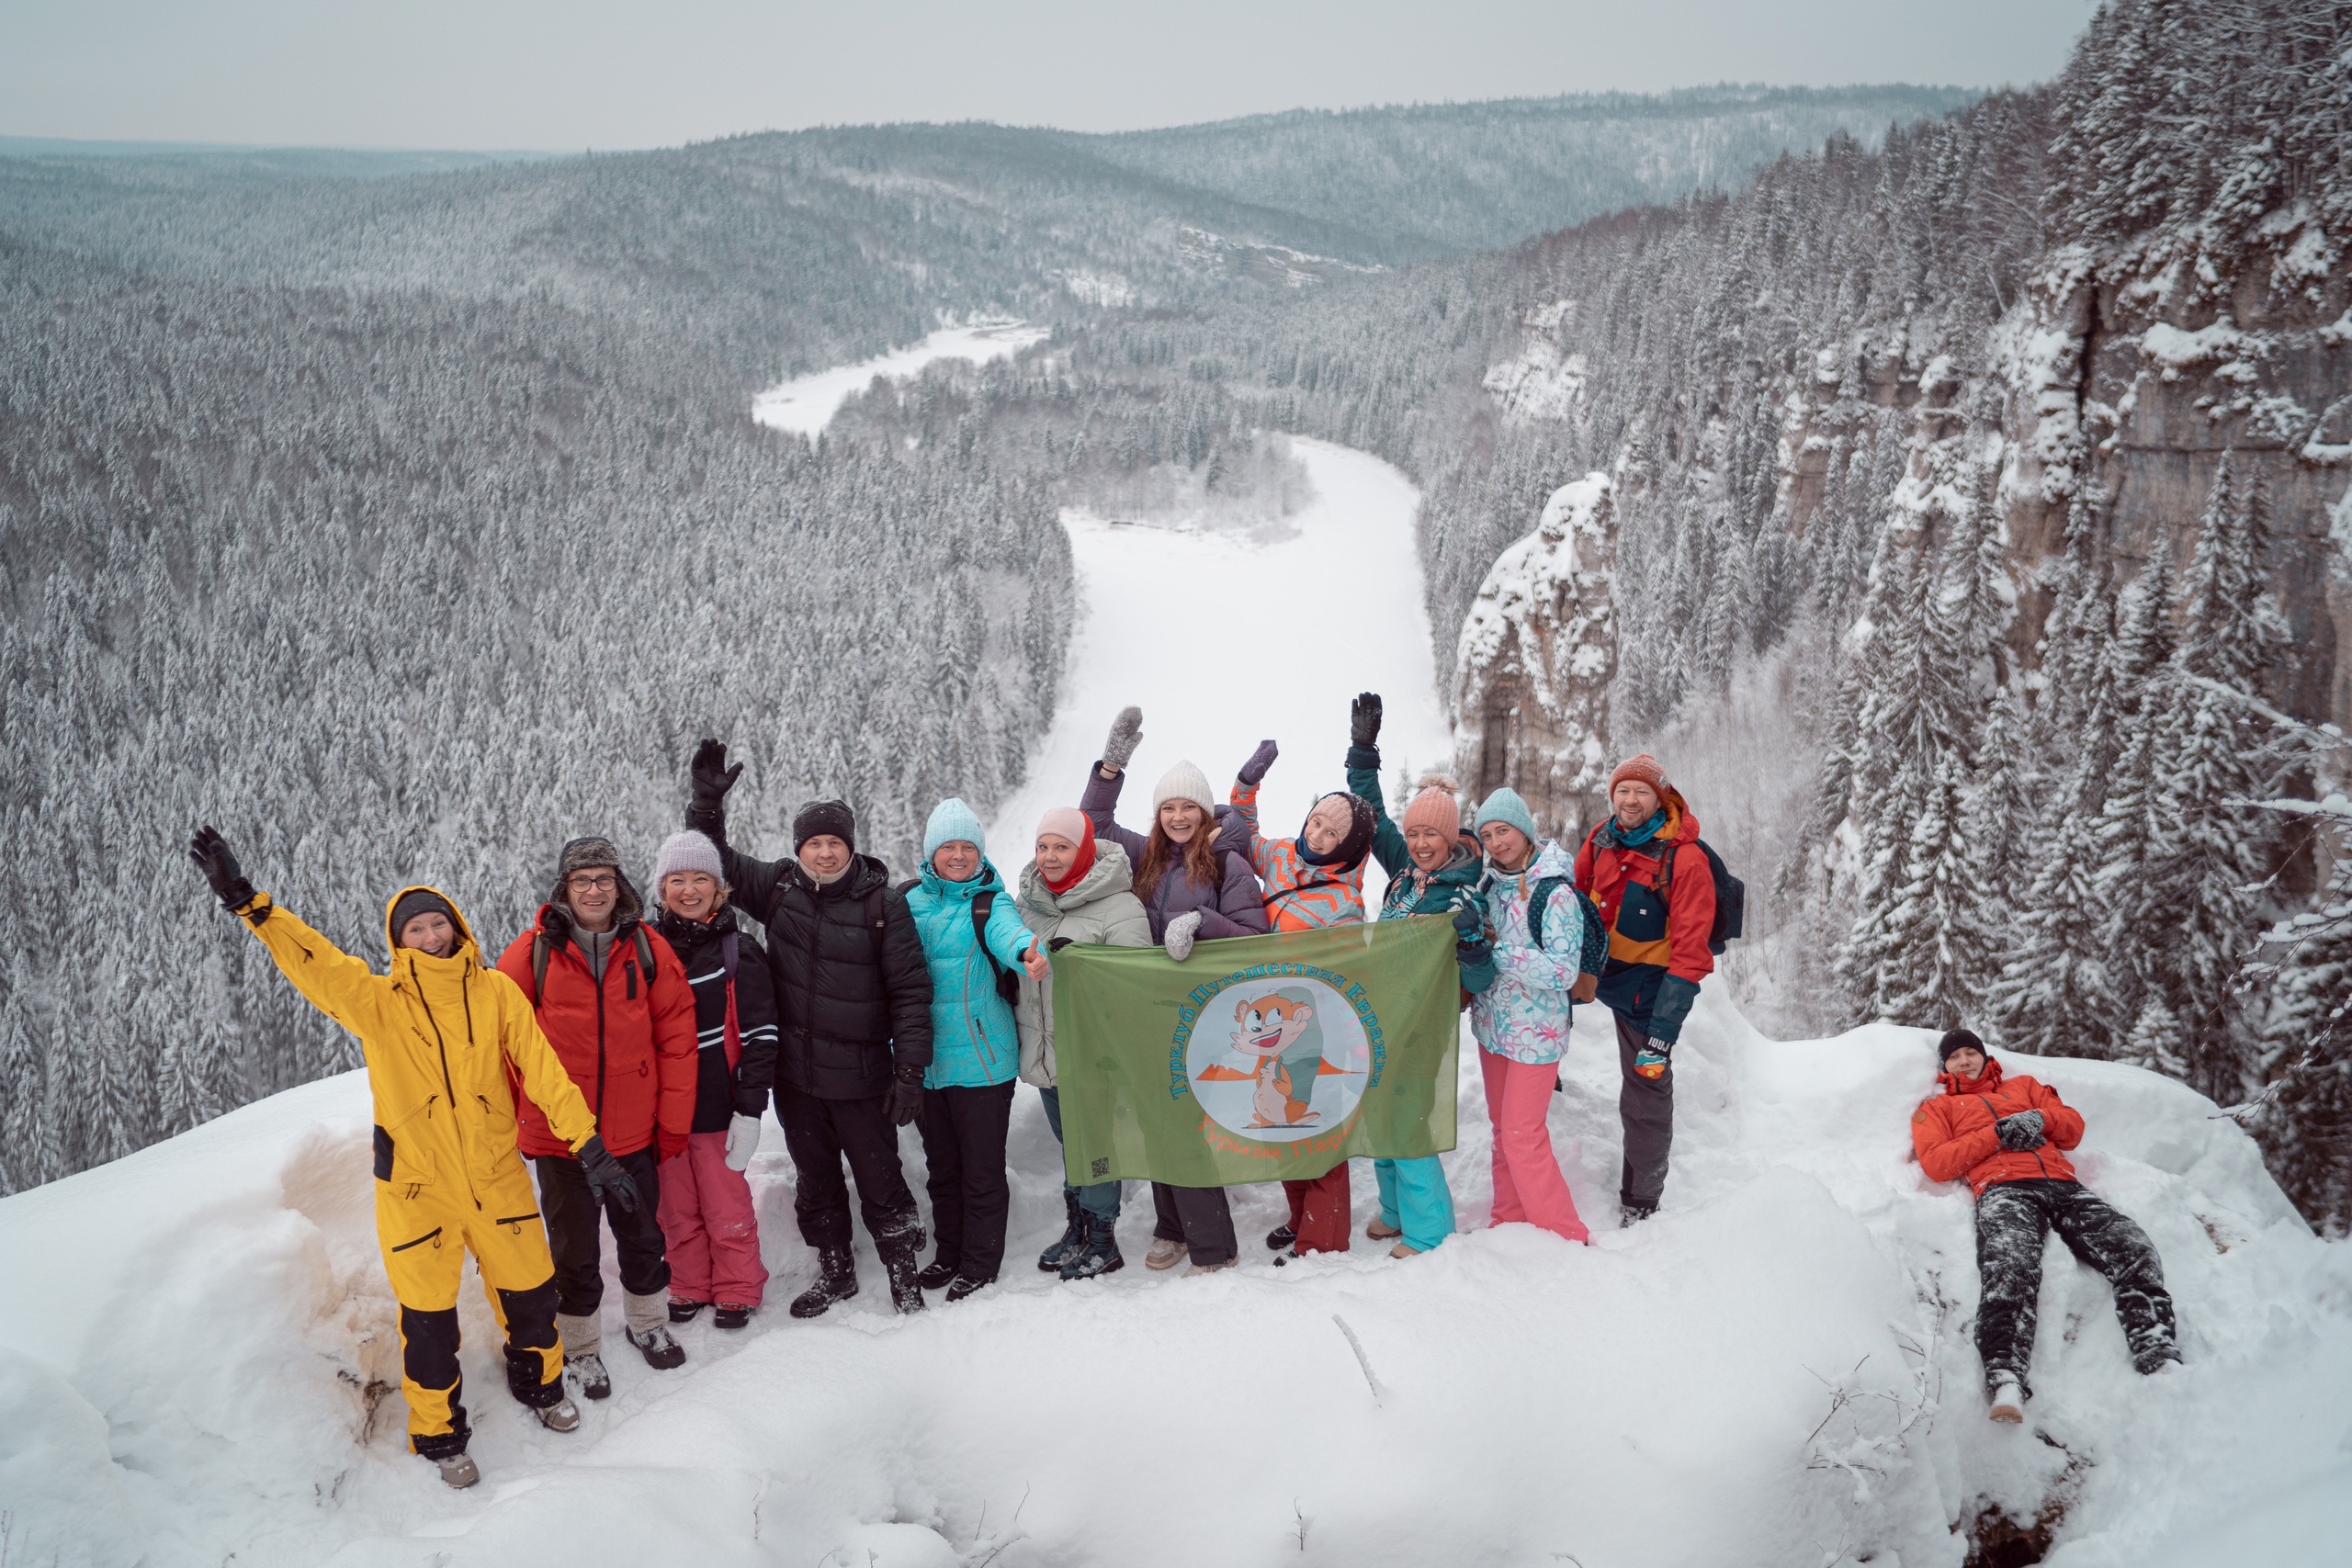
column 1644, row 768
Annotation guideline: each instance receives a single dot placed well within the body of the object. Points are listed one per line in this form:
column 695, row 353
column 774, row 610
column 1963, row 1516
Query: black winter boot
column 1073, row 1238
column 1280, row 1237
column 1632, row 1213
column 962, row 1287
column 935, row 1274
column 906, row 1281
column 1099, row 1255
column 836, row 1281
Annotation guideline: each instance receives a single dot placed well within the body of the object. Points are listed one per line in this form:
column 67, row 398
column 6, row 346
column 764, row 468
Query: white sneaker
column 561, row 1416
column 1165, row 1254
column 2008, row 1405
column 458, row 1470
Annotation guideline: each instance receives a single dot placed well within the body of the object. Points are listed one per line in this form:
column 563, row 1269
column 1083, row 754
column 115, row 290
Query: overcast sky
column 573, row 73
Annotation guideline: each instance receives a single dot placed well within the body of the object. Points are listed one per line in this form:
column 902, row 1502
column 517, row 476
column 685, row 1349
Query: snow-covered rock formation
column 1536, row 656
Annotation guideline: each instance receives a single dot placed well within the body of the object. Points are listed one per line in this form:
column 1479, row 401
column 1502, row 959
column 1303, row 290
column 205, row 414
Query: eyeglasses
column 605, row 884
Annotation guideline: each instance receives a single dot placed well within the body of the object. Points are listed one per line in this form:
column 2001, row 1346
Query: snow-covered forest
column 410, row 522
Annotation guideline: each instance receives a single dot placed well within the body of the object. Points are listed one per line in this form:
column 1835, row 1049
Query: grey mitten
column 1120, row 744
column 1180, row 933
column 1254, row 769
column 2020, row 1132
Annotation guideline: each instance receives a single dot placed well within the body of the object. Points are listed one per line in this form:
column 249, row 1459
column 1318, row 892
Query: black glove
column 210, row 852
column 1363, row 720
column 606, row 1178
column 712, row 777
column 1466, row 924
column 1254, row 769
column 902, row 1102
column 2020, row 1132
column 1058, row 944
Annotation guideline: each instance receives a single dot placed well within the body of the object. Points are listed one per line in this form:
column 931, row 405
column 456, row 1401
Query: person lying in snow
column 2004, row 1135
column 450, row 1178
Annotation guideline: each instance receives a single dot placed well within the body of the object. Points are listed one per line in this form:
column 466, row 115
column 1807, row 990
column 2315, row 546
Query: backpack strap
column 875, row 911
column 1538, row 900
column 727, row 948
column 541, row 948
column 644, row 952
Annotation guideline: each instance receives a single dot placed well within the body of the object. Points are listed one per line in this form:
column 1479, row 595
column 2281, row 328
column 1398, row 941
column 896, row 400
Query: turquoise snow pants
column 1415, row 1199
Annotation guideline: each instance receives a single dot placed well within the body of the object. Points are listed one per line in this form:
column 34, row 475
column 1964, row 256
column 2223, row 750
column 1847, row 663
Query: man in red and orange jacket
column 613, row 1000
column 1643, row 868
column 2006, row 1137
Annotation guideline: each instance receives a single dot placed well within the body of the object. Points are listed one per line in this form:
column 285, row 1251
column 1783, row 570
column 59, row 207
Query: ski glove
column 1126, row 731
column 2021, row 1132
column 1254, row 769
column 742, row 1141
column 1650, row 1062
column 712, row 777
column 1675, row 996
column 1466, row 924
column 607, row 1180
column 902, row 1102
column 210, row 852
column 1180, row 933
column 1363, row 720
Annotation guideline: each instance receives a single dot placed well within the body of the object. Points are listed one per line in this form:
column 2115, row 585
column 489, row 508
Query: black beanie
column 420, row 901
column 1957, row 1040
column 821, row 817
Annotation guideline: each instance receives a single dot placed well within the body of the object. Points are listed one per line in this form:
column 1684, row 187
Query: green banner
column 1261, row 1059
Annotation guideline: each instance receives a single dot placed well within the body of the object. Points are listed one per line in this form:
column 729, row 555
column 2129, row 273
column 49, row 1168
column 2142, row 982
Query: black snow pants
column 2013, row 1220
column 963, row 1142
column 1198, row 1216
column 821, row 1135
column 571, row 1212
column 1645, row 1110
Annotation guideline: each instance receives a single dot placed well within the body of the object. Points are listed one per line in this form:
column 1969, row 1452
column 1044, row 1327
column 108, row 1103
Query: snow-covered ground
column 1224, row 637
column 198, row 1352
column 806, row 404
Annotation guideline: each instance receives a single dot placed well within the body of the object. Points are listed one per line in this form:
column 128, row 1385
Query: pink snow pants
column 1527, row 1183
column 711, row 1229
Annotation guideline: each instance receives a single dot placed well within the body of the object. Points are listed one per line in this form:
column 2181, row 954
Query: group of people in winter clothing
column 631, row 1056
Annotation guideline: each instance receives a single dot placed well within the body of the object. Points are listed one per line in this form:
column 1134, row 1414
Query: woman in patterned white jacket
column 1548, row 948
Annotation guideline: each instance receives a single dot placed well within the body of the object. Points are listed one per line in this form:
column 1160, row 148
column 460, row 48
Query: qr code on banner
column 1102, row 1167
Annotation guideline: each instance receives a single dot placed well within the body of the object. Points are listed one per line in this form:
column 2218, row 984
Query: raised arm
column 330, row 979
column 753, row 881
column 1363, row 781
column 1245, row 804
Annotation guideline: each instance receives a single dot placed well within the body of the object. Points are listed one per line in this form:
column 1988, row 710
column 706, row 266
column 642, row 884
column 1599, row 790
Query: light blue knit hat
column 951, row 819
column 1505, row 806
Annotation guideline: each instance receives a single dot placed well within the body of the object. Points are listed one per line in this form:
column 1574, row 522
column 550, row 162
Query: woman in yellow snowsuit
column 446, row 1039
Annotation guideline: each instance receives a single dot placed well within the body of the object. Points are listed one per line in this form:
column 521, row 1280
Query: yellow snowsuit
column 445, row 1038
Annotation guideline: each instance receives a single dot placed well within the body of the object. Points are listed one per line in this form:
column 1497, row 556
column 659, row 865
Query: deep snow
column 806, row 404
column 195, row 1341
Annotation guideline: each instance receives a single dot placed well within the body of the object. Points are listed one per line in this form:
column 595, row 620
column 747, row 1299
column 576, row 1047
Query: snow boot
column 1379, row 1229
column 660, row 1351
column 459, row 1470
column 1073, row 1238
column 1164, row 1253
column 1280, row 1237
column 594, row 1381
column 836, row 1281
column 2150, row 1359
column 906, row 1281
column 1632, row 1215
column 960, row 1287
column 731, row 1315
column 2008, row 1405
column 561, row 1416
column 1210, row 1267
column 1100, row 1255
column 935, row 1274
column 683, row 1311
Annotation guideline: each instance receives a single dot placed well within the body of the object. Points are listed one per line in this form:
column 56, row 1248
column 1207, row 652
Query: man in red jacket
column 614, row 1001
column 1642, row 866
column 2006, row 1135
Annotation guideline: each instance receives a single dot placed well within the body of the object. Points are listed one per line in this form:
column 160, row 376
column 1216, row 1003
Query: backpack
column 1007, row 983
column 1541, row 897
column 543, row 948
column 1731, row 896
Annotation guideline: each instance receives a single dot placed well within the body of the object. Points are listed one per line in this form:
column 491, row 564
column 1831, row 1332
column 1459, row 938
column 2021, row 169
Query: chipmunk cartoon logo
column 1279, row 1029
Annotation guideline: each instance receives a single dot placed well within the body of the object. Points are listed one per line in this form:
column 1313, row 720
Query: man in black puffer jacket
column 854, row 1013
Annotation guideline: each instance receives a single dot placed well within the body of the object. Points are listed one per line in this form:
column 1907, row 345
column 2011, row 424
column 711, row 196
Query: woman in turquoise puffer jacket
column 972, row 936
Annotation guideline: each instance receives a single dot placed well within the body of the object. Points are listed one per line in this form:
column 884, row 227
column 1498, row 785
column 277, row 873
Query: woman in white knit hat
column 1193, row 875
